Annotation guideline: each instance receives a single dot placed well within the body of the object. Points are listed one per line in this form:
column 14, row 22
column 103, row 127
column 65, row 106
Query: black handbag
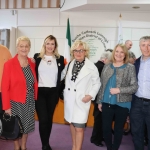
column 62, row 86
column 10, row 127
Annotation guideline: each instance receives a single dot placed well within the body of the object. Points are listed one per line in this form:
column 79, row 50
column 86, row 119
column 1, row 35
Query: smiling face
column 145, row 48
column 49, row 47
column 23, row 48
column 79, row 53
column 119, row 54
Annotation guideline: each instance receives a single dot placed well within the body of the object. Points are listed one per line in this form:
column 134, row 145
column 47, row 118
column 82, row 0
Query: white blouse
column 47, row 72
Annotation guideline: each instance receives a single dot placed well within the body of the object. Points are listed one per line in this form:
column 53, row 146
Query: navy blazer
column 137, row 66
column 60, row 65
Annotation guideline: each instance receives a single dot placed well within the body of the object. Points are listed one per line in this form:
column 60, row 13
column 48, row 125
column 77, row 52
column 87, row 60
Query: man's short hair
column 144, row 38
column 127, row 41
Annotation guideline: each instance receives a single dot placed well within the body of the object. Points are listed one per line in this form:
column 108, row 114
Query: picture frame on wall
column 5, row 37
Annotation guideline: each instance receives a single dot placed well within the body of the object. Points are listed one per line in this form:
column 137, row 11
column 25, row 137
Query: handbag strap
column 67, row 69
column 6, row 117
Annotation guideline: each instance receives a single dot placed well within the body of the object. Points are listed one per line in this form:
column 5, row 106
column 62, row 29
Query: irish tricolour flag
column 67, row 44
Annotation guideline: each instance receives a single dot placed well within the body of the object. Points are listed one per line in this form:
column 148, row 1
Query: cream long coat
column 87, row 83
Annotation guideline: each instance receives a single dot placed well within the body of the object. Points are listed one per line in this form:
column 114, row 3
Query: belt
column 144, row 99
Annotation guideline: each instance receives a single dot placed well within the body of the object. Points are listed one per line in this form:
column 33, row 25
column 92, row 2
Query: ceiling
column 106, row 5
column 112, row 7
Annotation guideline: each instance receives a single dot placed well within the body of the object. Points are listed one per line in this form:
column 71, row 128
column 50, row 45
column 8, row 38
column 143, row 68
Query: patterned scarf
column 76, row 69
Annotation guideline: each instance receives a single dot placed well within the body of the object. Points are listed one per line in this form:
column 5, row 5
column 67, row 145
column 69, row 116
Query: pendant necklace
column 49, row 62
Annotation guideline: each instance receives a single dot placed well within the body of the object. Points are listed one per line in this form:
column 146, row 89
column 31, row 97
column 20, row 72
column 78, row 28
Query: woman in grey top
column 118, row 84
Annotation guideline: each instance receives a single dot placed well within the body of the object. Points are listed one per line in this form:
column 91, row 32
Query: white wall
column 38, row 23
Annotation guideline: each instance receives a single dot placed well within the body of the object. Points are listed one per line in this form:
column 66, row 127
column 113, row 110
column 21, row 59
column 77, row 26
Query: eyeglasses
column 78, row 51
column 23, row 46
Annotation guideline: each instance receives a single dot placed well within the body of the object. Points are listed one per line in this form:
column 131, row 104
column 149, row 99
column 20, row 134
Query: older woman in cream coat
column 81, row 86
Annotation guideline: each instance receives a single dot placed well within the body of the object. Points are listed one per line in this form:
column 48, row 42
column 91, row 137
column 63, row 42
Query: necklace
column 49, row 61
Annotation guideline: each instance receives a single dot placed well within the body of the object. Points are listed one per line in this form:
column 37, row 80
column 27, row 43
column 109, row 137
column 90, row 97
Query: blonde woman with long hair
column 49, row 65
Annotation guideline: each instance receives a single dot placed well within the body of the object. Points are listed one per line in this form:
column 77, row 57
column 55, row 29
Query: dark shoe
column 109, row 148
column 126, row 133
column 103, row 139
column 46, row 147
column 98, row 144
column 145, row 142
column 113, row 147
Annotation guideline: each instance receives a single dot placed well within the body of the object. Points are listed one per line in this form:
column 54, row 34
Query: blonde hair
column 23, row 38
column 125, row 50
column 78, row 43
column 50, row 37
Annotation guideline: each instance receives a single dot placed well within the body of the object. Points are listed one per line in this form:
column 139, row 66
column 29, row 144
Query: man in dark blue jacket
column 140, row 108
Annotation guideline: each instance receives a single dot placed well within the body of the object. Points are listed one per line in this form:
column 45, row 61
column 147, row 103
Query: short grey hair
column 127, row 41
column 23, row 38
column 132, row 55
column 144, row 38
column 106, row 55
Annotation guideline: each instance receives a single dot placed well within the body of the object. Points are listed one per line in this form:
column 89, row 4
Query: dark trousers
column 97, row 135
column 145, row 135
column 45, row 106
column 139, row 116
column 120, row 113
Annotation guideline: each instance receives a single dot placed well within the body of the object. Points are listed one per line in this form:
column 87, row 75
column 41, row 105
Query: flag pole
column 67, row 43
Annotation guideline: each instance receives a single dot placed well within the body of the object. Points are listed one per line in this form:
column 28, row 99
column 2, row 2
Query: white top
column 47, row 72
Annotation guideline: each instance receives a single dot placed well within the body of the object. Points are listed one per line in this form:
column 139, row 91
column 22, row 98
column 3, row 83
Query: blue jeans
column 139, row 116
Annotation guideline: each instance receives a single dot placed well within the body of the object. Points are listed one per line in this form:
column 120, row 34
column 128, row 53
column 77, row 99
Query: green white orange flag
column 67, row 44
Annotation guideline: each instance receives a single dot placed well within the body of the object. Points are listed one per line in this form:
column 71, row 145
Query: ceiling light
column 135, row 7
